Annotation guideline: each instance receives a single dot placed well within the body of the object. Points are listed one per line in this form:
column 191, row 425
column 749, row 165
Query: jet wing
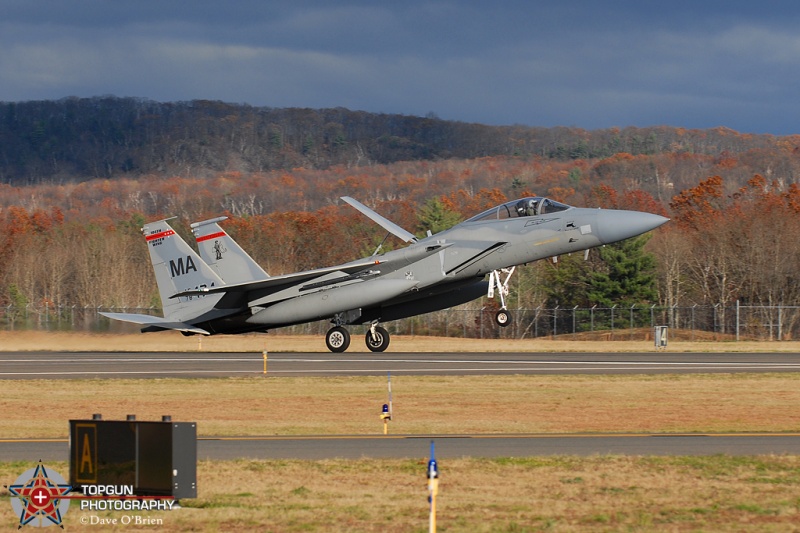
column 386, row 224
column 281, row 281
column 155, row 321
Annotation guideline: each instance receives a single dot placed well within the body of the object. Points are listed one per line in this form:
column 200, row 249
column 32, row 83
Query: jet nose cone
column 613, row 225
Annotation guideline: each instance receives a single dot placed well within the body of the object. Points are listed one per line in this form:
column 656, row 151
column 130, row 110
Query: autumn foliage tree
column 733, row 199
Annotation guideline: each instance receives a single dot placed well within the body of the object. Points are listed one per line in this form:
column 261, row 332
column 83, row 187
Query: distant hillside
column 77, row 139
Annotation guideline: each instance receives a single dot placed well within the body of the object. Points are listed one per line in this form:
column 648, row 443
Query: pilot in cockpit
column 527, row 207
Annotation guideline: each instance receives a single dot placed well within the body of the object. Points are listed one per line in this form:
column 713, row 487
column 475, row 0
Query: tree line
column 78, row 139
column 720, row 247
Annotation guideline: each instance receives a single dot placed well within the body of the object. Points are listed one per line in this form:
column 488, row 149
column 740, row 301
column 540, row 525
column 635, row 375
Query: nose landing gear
column 503, row 317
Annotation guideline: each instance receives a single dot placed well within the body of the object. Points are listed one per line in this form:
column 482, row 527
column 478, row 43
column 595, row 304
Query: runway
column 447, row 446
column 112, row 365
column 67, row 365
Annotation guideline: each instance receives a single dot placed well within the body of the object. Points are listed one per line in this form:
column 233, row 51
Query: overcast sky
column 695, row 64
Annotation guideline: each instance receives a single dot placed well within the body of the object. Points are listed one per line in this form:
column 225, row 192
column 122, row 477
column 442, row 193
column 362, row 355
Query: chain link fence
column 737, row 322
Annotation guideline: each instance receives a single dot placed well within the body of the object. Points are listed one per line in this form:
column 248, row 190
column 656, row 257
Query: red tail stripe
column 211, row 236
column 159, row 235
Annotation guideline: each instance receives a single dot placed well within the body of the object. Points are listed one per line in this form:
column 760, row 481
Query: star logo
column 39, row 498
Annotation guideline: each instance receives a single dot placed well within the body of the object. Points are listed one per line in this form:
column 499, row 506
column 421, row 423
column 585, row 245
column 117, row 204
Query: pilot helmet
column 526, row 208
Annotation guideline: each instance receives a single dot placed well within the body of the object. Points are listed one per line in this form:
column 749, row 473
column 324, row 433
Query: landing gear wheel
column 503, row 318
column 378, row 341
column 337, row 339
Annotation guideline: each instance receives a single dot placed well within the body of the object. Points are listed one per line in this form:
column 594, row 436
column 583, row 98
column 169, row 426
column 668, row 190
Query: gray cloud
column 542, row 64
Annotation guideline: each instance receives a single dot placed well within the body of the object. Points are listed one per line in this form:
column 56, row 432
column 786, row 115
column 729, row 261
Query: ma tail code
column 180, row 268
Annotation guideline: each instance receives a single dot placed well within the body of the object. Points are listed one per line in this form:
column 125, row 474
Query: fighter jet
column 229, row 293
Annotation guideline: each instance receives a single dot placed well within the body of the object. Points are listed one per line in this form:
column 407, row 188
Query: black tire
column 381, row 340
column 503, row 318
column 337, row 339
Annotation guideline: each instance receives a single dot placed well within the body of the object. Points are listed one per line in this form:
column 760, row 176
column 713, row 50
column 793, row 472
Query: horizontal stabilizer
column 155, row 321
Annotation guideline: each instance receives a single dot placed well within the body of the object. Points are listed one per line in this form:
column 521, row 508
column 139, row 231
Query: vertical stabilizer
column 224, row 255
column 178, row 268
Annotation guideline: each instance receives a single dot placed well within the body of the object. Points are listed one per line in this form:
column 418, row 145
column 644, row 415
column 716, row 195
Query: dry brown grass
column 601, row 493
column 173, row 341
column 422, row 404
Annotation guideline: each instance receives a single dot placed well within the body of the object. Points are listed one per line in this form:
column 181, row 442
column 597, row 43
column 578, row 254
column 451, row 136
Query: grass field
column 173, row 341
column 601, row 493
column 422, row 404
column 561, row 494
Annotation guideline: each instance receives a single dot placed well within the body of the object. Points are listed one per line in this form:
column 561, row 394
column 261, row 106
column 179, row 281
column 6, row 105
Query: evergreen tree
column 620, row 274
column 434, row 216
column 627, row 275
column 18, row 303
column 566, row 282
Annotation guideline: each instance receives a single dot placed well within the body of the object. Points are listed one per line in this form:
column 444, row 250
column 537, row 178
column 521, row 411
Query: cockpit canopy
column 524, row 207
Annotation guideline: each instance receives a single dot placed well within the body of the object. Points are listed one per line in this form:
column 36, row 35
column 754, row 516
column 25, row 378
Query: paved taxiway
column 49, row 365
column 447, row 446
column 53, row 365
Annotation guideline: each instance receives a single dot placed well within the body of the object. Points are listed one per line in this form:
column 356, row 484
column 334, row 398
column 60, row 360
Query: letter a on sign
column 86, row 456
column 85, row 459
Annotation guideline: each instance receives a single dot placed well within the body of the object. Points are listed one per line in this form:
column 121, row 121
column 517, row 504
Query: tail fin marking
column 224, row 255
column 178, row 268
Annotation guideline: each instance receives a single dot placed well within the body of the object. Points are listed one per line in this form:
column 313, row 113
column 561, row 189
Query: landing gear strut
column 503, row 317
column 377, row 338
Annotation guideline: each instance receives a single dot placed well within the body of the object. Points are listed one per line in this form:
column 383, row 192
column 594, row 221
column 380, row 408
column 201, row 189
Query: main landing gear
column 338, row 338
column 377, row 338
column 503, row 317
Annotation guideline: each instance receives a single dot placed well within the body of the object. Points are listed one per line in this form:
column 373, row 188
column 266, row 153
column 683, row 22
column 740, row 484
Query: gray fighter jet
column 225, row 291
